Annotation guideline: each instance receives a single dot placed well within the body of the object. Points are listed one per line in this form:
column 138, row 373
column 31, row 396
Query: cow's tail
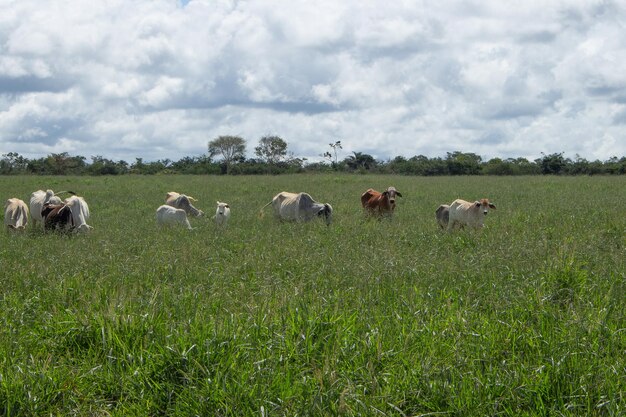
column 261, row 212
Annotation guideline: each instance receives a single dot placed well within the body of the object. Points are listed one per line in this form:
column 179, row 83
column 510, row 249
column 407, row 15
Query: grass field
column 394, row 318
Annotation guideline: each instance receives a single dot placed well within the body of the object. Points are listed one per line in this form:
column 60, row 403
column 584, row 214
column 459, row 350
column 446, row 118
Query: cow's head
column 221, row 208
column 484, row 205
column 327, row 212
column 391, row 193
column 48, row 196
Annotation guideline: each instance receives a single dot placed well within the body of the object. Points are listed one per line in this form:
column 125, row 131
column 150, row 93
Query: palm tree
column 360, row 160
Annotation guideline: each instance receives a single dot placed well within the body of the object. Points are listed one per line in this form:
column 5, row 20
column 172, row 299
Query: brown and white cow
column 380, row 204
column 39, row 198
column 181, row 201
column 15, row 214
column 57, row 217
column 463, row 213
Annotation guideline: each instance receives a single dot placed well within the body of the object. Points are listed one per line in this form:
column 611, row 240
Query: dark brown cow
column 57, row 217
column 380, row 204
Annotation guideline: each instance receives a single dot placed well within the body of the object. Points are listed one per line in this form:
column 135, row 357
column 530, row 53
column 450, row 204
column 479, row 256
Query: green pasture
column 373, row 318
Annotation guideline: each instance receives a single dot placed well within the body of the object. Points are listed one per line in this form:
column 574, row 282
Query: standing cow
column 181, row 201
column 15, row 214
column 380, row 204
column 222, row 214
column 168, row 215
column 299, row 207
column 463, row 213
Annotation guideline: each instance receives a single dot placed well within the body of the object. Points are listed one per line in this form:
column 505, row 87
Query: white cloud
column 160, row 78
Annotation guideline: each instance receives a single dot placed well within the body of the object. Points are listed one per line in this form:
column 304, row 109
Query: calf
column 222, row 214
column 15, row 214
column 380, row 204
column 442, row 215
column 168, row 215
column 463, row 213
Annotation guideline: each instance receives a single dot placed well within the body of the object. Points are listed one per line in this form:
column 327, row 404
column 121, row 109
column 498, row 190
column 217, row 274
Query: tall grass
column 526, row 317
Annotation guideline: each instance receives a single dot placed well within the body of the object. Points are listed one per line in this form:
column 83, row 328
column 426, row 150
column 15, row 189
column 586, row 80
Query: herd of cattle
column 48, row 209
column 72, row 213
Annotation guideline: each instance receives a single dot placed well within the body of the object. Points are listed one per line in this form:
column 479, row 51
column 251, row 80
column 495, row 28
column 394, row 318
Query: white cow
column 222, row 214
column 80, row 213
column 168, row 215
column 299, row 207
column 181, row 201
column 463, row 213
column 38, row 199
column 15, row 214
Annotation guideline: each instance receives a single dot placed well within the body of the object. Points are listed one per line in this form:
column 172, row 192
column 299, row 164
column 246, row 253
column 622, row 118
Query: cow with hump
column 182, row 201
column 299, row 207
column 15, row 214
column 80, row 213
column 464, row 213
column 380, row 204
column 168, row 215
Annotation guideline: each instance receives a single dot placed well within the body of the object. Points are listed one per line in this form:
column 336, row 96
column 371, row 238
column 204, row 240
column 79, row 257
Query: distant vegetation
column 272, row 157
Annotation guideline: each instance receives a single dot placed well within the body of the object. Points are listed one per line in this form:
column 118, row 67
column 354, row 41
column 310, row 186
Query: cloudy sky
column 160, row 78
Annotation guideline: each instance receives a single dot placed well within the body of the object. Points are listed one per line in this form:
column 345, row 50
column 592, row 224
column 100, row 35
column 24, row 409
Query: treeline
column 273, row 158
column 455, row 163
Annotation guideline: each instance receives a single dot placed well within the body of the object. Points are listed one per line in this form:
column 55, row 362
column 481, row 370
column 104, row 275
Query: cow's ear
column 492, row 206
column 398, row 194
column 227, row 206
column 477, row 203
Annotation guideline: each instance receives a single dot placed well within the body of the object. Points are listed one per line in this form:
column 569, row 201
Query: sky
column 159, row 79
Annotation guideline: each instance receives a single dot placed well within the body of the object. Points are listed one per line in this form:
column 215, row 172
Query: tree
column 231, row 148
column 64, row 164
column 12, row 163
column 360, row 160
column 272, row 149
column 460, row 163
column 496, row 166
column 552, row 164
column 103, row 166
column 329, row 155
